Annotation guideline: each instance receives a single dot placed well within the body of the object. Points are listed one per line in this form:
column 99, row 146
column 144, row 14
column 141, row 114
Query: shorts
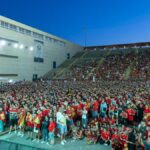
column 70, row 122
column 30, row 129
column 95, row 114
column 58, row 126
column 35, row 130
column 13, row 122
column 63, row 129
column 84, row 122
column 51, row 136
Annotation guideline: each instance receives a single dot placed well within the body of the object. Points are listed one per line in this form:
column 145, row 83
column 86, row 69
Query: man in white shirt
column 84, row 117
column 63, row 127
column 58, row 117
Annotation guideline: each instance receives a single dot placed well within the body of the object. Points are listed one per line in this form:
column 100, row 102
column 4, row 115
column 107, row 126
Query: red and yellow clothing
column 112, row 121
column 13, row 113
column 147, row 119
column 115, row 140
column 79, row 110
column 2, row 117
column 51, row 126
column 87, row 106
column 130, row 113
column 69, row 113
column 74, row 113
column 45, row 112
column 105, row 135
column 147, row 111
column 29, row 120
column 124, row 115
column 95, row 106
column 21, row 121
column 37, row 121
column 123, row 140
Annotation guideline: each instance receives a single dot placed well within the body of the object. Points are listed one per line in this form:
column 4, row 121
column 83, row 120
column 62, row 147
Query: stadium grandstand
column 55, row 94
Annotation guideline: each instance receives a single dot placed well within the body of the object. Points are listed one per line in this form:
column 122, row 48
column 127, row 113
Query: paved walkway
column 77, row 145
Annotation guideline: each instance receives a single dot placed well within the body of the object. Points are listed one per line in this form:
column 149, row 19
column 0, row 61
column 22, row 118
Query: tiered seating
column 107, row 65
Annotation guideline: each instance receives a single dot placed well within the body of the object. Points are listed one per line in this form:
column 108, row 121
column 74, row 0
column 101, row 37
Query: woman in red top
column 131, row 114
column 95, row 109
column 51, row 129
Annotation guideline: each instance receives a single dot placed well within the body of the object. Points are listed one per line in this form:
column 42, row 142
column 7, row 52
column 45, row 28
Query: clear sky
column 103, row 21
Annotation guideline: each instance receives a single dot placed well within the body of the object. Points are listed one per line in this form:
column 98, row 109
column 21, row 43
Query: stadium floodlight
column 2, row 43
column 10, row 81
column 31, row 48
column 21, row 46
column 16, row 45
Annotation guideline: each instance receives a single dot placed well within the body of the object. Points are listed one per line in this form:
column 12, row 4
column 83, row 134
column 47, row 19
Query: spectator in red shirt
column 51, row 129
column 95, row 109
column 105, row 137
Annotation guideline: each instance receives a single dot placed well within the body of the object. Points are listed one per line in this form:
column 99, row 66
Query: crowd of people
column 122, row 66
column 110, row 112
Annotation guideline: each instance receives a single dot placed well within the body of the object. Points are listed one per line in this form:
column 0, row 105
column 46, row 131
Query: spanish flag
column 21, row 120
column 2, row 117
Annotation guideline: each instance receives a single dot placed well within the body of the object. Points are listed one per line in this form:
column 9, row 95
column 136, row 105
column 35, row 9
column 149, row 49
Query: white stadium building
column 27, row 53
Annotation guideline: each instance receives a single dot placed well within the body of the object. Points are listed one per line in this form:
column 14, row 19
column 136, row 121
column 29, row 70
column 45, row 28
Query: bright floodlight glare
column 10, row 81
column 21, row 46
column 15, row 45
column 31, row 48
column 2, row 43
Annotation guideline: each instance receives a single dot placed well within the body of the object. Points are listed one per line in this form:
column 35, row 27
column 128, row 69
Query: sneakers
column 38, row 141
column 47, row 143
column 62, row 143
column 42, row 142
column 34, row 140
column 73, row 140
column 22, row 135
column 19, row 133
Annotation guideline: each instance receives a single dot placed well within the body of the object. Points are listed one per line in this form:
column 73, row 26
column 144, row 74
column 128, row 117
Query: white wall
column 25, row 66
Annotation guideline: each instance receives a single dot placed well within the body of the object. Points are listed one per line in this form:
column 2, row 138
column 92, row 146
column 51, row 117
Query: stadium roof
column 116, row 46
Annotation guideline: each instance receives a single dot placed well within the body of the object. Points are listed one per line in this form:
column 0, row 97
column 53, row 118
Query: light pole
column 85, row 37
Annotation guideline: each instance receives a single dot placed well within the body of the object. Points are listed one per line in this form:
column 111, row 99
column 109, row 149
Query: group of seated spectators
column 122, row 66
column 108, row 112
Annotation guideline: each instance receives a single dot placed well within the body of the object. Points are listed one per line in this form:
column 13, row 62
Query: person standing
column 103, row 109
column 44, row 128
column 84, row 117
column 63, row 127
column 95, row 109
column 2, row 120
column 132, row 140
column 13, row 116
column 21, row 121
column 29, row 124
column 51, row 129
column 147, row 144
